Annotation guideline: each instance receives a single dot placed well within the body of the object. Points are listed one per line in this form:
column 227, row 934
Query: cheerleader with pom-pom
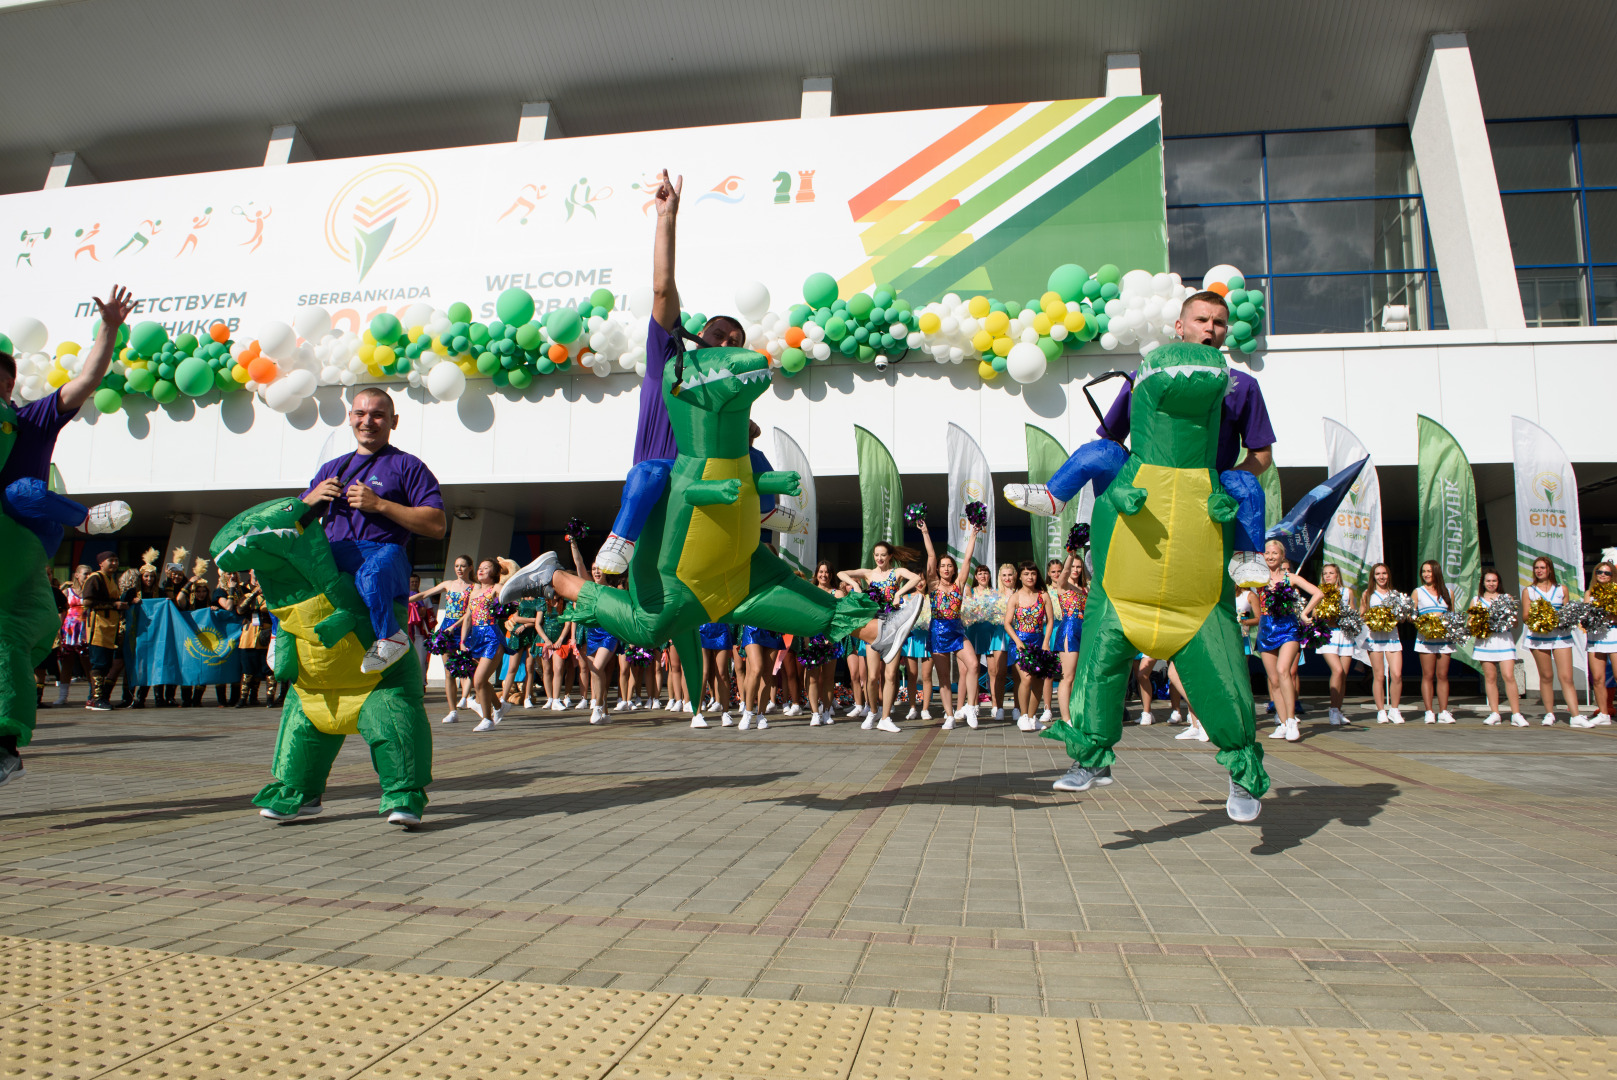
column 1549, row 643
column 1602, row 643
column 1280, row 635
column 1073, row 592
column 946, row 635
column 1028, row 619
column 451, row 608
column 1433, row 597
column 1386, row 650
column 887, row 582
column 1338, row 651
column 483, row 637
column 718, row 639
column 1496, row 648
column 818, row 656
column 985, row 626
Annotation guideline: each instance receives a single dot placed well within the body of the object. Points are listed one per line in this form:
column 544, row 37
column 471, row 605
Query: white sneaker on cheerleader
column 107, row 517
column 1044, row 717
column 1601, row 720
column 1175, row 717
column 912, row 713
column 971, row 717
column 385, row 652
column 769, row 707
column 1026, row 722
column 1381, row 716
column 1491, row 719
column 997, row 714
column 725, row 719
column 484, row 725
column 527, row 703
column 763, row 722
column 1518, row 720
column 615, row 553
column 1145, row 718
column 1579, row 721
column 698, row 722
column 533, row 579
column 1248, row 570
column 948, row 725
column 894, row 627
column 794, row 709
column 1280, row 730
column 623, row 705
column 597, row 715
column 1036, row 499
column 1292, row 734
column 886, row 724
column 1430, row 717
column 1549, row 719
column 868, row 722
column 454, row 715
column 746, row 720
column 814, row 720
column 1445, row 717
column 855, row 710
column 1394, row 716
column 926, row 714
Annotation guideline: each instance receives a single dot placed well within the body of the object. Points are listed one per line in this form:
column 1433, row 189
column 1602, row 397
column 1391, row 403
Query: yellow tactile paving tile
column 724, row 1036
column 230, row 1051
column 49, row 1042
column 1141, row 1049
column 32, row 971
column 922, row 1044
column 1346, row 1054
column 197, row 989
column 532, row 1031
column 1575, row 1057
column 352, row 1004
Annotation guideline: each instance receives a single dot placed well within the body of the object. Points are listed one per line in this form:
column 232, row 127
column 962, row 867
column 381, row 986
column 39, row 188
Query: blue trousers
column 1101, row 460
column 33, row 505
column 382, row 576
column 642, row 488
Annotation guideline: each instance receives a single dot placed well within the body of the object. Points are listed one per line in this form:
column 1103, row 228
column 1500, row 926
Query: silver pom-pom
column 1592, row 617
column 1503, row 615
column 1454, row 628
column 1350, row 622
column 1402, row 606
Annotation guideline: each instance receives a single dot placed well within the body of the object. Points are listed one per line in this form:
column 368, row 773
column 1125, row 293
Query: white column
column 1123, row 75
column 1461, row 192
column 484, row 535
column 538, row 123
column 68, row 170
column 817, row 97
column 287, row 146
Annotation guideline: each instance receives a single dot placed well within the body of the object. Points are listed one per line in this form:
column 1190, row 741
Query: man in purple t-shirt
column 1204, row 319
column 375, row 498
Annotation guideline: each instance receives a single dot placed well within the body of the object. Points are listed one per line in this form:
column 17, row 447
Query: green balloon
column 140, row 380
column 835, row 329
column 1109, row 291
column 1012, row 308
column 165, row 371
column 1067, row 281
column 514, row 306
column 147, row 338
column 545, row 365
column 501, row 377
column 866, row 354
column 563, row 324
column 1246, row 311
column 7, row 346
column 1051, row 347
column 488, row 363
column 1091, row 289
column 601, row 298
column 224, row 382
column 108, row 401
column 1250, row 345
column 820, row 290
column 459, row 312
column 477, row 333
column 884, row 296
column 860, row 305
column 998, row 363
column 528, row 336
column 164, row 391
column 799, row 314
column 186, row 343
column 401, row 366
column 849, row 346
column 193, row 376
column 1109, row 274
column 1240, row 330
column 792, row 361
column 520, row 378
column 385, row 328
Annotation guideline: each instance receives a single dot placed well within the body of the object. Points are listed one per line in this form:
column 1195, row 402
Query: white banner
column 970, row 480
column 1353, row 537
column 800, row 550
column 1547, row 520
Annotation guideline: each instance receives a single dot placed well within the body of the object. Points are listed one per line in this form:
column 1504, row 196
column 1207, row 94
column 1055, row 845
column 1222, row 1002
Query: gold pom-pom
column 1476, row 621
column 1430, row 626
column 1381, row 619
column 1604, row 595
column 1329, row 608
column 1541, row 617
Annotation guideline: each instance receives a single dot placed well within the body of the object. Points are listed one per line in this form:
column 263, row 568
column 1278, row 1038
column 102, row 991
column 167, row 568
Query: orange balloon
column 219, row 332
column 558, row 353
column 795, row 336
column 1218, row 287
column 263, row 370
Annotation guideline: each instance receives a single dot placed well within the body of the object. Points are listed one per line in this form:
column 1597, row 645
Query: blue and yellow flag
column 164, row 646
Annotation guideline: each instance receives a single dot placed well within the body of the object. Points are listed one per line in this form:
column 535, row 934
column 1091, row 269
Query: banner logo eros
column 385, row 209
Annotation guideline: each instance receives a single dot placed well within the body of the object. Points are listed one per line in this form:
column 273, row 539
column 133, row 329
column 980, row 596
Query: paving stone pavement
column 1453, row 879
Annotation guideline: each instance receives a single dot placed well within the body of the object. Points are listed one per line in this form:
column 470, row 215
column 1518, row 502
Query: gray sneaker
column 1078, row 778
column 10, row 765
column 531, row 580
column 1242, row 805
column 895, row 627
column 1103, row 776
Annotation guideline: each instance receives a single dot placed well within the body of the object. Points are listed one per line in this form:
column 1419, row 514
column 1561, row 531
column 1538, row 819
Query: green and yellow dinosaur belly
column 330, row 686
column 1165, row 567
column 716, row 562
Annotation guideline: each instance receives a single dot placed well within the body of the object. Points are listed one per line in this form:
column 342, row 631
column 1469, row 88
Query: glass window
column 1369, row 234
column 1552, row 297
column 1602, row 211
column 1214, row 170
column 1200, row 238
column 1598, row 139
column 1544, row 228
column 1439, row 319
column 1537, row 154
column 1334, row 164
column 1343, row 304
column 1605, row 290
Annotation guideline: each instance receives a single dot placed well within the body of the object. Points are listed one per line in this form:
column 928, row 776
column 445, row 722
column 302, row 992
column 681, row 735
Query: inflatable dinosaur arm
column 712, row 492
column 1126, row 498
column 779, row 483
column 284, row 664
column 334, row 627
column 1221, row 507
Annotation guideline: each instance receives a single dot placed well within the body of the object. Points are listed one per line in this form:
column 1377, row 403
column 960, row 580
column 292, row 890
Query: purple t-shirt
column 396, row 476
column 653, row 434
column 38, row 424
column 1245, row 420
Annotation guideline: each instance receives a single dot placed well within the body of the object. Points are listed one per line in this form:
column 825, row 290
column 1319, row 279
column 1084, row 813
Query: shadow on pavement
column 1013, row 791
column 1290, row 816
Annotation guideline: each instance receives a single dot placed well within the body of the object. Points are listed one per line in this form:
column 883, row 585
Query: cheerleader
column 717, row 641
column 75, row 636
column 1601, row 647
column 1073, row 596
column 759, row 647
column 520, row 636
column 1338, row 651
column 453, row 606
column 679, row 693
column 890, row 581
column 946, row 635
column 1028, row 619
column 1386, row 651
column 551, row 651
column 1434, row 597
column 998, row 647
column 1551, row 649
column 822, row 676
column 418, row 625
column 482, row 636
column 987, row 636
column 1279, row 638
column 1497, row 652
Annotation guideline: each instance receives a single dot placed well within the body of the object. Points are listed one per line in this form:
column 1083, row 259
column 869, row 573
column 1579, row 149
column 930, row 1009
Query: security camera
column 881, row 363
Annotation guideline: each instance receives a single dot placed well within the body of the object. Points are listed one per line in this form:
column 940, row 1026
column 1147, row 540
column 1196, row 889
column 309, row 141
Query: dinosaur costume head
column 1178, row 392
column 271, row 539
column 710, row 400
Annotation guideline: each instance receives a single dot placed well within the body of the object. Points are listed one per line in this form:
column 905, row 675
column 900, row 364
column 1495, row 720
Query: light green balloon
column 164, row 391
column 193, row 377
column 820, row 290
column 515, row 306
column 563, row 324
column 1068, row 282
column 1109, row 274
column 140, row 380
column 601, row 298
column 108, row 400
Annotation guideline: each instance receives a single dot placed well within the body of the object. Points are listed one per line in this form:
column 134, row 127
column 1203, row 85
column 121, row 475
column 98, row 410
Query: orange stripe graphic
column 883, row 190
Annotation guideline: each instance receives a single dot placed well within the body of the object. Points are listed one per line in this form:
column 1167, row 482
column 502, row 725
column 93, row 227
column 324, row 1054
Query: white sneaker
column 725, row 719
column 1445, row 717
column 1430, row 717
column 1395, row 716
column 769, row 707
column 971, row 716
column 1381, row 716
column 623, row 706
column 1145, row 718
column 1491, row 719
column 688, row 708
column 783, row 519
column 926, row 714
column 1549, row 718
column 1600, row 720
column 107, row 517
column 597, row 715
column 1280, row 730
column 1248, row 570
column 912, row 713
column 746, row 720
column 385, row 652
column 404, row 818
column 558, row 706
column 855, row 710
column 1026, row 722
column 527, row 703
column 697, row 721
column 869, row 722
column 1336, row 718
column 1579, row 721
column 763, row 723
column 1175, row 717
column 615, row 553
column 1189, row 733
column 814, row 720
column 1044, row 717
column 464, row 698
column 886, row 724
column 454, row 715
column 61, row 693
column 948, row 725
column 794, row 709
column 473, row 706
column 998, row 714
column 533, row 579
column 1518, row 720
column 1036, row 499
column 828, row 716
column 484, row 725
column 1292, row 734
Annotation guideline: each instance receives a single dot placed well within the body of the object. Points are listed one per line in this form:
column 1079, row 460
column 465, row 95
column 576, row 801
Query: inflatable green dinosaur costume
column 324, row 631
column 1161, row 538
column 699, row 559
column 28, row 619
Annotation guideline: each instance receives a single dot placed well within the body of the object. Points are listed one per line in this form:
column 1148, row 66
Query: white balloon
column 417, row 314
column 414, row 378
column 1115, row 307
column 1025, row 362
column 1136, row 281
column 313, row 323
column 349, row 378
column 948, row 325
column 28, row 335
column 1220, row 274
column 356, row 365
column 276, row 339
column 1029, row 336
column 597, row 341
column 1058, row 332
column 640, row 301
column 1162, row 284
column 446, row 382
column 1108, row 341
column 752, row 300
column 329, row 375
column 602, row 370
